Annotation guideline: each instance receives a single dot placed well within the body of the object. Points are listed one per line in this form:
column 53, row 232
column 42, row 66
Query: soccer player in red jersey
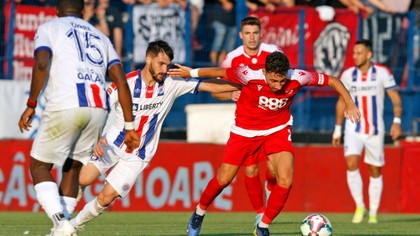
column 262, row 126
column 252, row 53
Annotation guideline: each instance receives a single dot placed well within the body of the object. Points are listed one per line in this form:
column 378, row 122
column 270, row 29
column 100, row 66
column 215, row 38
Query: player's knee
column 251, row 171
column 223, row 181
column 285, row 182
column 105, row 199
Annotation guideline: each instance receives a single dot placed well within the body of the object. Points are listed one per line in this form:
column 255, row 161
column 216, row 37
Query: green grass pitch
column 174, row 224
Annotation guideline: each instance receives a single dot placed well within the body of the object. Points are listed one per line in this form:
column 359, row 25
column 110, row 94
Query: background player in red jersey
column 251, row 53
column 262, row 128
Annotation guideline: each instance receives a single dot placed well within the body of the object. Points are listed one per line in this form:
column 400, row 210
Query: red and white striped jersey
column 81, row 56
column 259, row 110
column 367, row 90
column 151, row 105
column 238, row 57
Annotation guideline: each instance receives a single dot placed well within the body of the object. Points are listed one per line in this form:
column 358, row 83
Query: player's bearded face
column 275, row 81
column 159, row 67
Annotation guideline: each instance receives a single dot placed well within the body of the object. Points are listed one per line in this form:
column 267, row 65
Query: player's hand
column 235, row 95
column 26, row 119
column 336, row 137
column 352, row 113
column 99, row 151
column 131, row 139
column 395, row 131
column 181, row 71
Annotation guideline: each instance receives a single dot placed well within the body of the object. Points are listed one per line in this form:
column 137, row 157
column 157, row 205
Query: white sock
column 69, row 203
column 375, row 192
column 89, row 212
column 355, row 183
column 49, row 199
column 200, row 211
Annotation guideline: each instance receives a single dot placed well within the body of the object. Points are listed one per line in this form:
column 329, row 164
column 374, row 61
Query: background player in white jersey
column 367, row 83
column 72, row 58
column 153, row 95
column 252, row 53
column 262, row 126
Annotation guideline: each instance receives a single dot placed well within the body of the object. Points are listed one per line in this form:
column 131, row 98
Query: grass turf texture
column 164, row 223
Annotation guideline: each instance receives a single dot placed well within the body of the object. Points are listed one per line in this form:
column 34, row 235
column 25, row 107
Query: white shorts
column 69, row 133
column 373, row 144
column 126, row 168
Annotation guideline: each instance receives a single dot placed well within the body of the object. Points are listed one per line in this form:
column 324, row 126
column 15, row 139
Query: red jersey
column 259, row 110
column 238, row 57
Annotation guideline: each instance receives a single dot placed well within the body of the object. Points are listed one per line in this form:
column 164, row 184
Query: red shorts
column 246, row 151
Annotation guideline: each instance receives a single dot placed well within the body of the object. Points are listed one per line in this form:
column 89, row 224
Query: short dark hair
column 366, row 42
column 75, row 6
column 278, row 63
column 250, row 20
column 158, row 46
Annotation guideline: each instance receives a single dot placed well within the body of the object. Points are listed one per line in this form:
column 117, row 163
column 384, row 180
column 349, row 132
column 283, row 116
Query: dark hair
column 72, row 6
column 250, row 20
column 366, row 43
column 278, row 63
column 158, row 46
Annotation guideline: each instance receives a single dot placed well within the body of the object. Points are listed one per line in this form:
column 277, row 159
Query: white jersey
column 367, row 91
column 76, row 77
column 151, row 105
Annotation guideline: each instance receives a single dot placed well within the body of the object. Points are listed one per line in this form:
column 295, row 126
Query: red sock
column 212, row 190
column 276, row 203
column 254, row 189
column 271, row 180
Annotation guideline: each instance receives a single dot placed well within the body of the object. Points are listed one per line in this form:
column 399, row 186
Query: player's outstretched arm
column 187, row 72
column 351, row 111
column 218, row 86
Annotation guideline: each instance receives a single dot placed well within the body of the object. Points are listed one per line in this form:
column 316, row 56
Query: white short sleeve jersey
column 367, row 90
column 81, row 55
column 151, row 105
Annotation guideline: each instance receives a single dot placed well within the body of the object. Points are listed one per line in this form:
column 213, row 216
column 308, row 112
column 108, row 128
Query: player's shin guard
column 89, row 212
column 212, row 190
column 276, row 203
column 375, row 192
column 254, row 189
column 49, row 199
column 69, row 203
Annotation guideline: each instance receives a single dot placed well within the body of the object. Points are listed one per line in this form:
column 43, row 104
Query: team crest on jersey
column 137, row 92
column 126, row 187
column 160, row 90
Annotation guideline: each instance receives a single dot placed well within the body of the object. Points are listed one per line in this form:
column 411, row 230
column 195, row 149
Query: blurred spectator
column 2, row 39
column 46, row 3
column 108, row 19
column 224, row 29
column 196, row 11
column 269, row 5
column 89, row 11
column 400, row 6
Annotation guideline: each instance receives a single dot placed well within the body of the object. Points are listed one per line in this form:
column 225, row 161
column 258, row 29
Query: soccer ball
column 316, row 225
